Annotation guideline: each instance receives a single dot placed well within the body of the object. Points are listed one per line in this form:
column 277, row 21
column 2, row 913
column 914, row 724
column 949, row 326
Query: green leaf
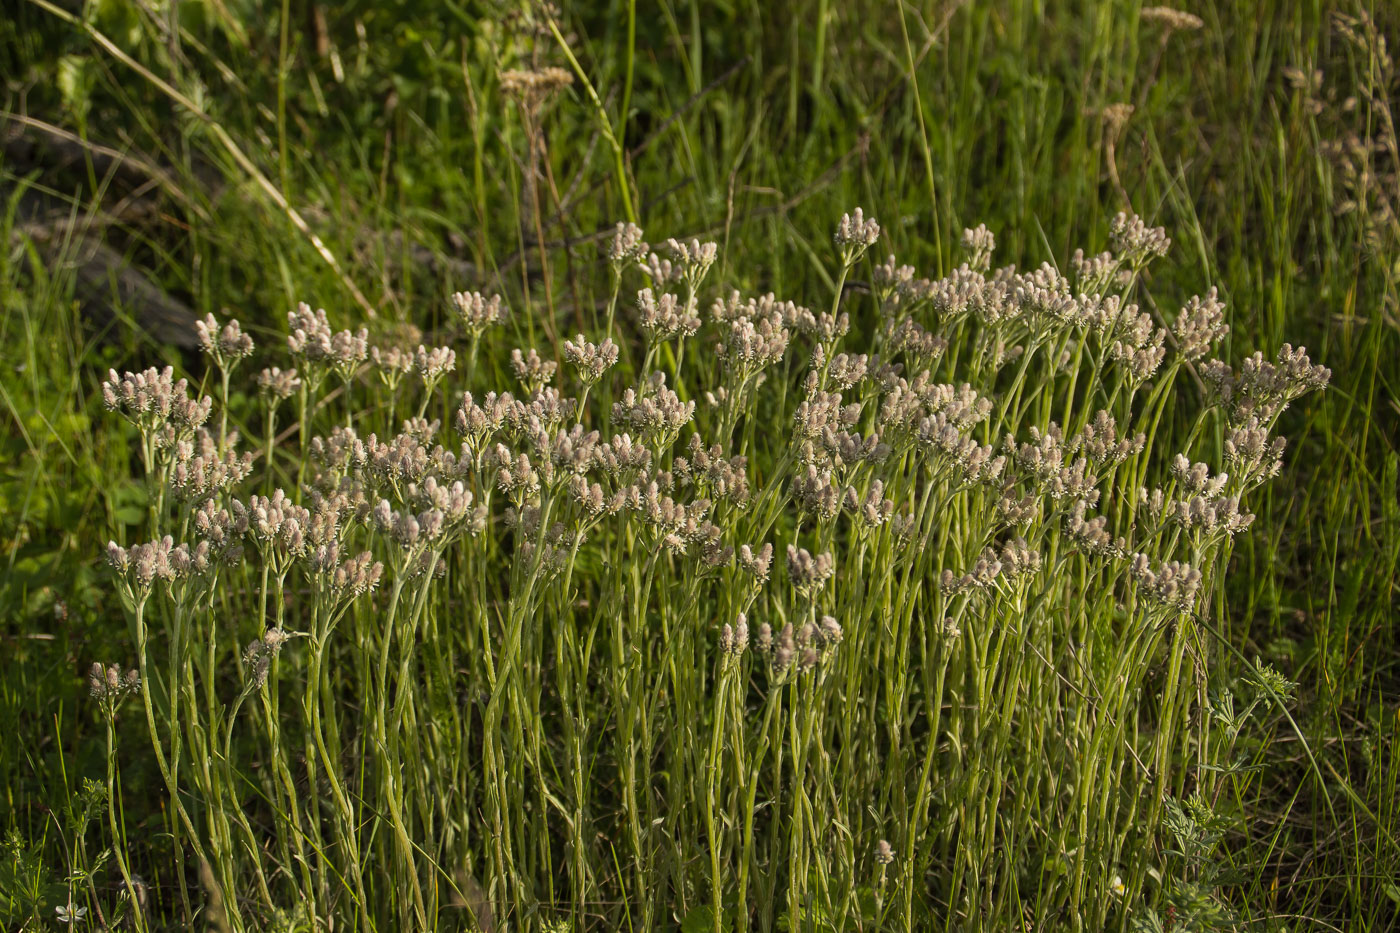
column 699, row 920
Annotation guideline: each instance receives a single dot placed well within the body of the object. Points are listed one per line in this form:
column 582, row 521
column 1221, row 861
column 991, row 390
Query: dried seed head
column 590, row 498
column 1170, row 19
column 566, row 452
column 753, row 343
column 1040, row 458
column 829, row 632
column 983, row 574
column 1017, row 511
column 624, row 458
column 962, row 406
column 973, row 463
column 479, row 423
column 1215, row 516
column 846, row 448
column 348, row 350
column 532, row 87
column 921, row 348
column 1045, row 300
column 452, row 499
column 546, row 409
column 964, row 292
column 342, row 452
column 825, row 328
column 718, row 478
column 422, row 430
column 142, row 565
column 735, row 307
column 407, row 530
column 1140, row 361
column 822, row 411
column 515, row 475
column 780, row 651
column 391, row 364
column 221, row 531
column 846, row 369
column 1196, row 479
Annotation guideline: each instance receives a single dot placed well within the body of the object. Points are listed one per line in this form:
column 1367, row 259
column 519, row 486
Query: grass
column 754, row 126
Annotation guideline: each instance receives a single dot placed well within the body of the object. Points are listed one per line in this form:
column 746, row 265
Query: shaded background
column 162, row 160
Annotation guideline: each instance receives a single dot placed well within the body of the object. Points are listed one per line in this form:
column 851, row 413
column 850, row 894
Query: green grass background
column 380, row 122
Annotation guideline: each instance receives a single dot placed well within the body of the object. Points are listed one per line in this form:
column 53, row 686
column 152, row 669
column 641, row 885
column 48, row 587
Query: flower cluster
column 227, row 346
column 558, row 566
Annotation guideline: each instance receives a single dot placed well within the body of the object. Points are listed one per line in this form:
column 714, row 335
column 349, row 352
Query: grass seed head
column 1171, row 19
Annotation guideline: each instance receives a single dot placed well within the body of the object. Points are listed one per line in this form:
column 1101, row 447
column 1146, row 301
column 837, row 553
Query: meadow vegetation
column 554, row 504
